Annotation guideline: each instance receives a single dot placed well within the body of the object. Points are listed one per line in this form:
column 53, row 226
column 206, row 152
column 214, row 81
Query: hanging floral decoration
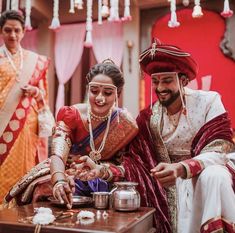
column 27, row 15
column 197, row 10
column 15, row 5
column 114, row 11
column 99, row 12
column 55, row 24
column 88, row 41
column 226, row 13
column 71, row 9
column 172, row 23
column 127, row 15
column 105, row 9
column 78, row 4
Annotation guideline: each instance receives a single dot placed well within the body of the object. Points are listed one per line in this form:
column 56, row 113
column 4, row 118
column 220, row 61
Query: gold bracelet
column 53, row 173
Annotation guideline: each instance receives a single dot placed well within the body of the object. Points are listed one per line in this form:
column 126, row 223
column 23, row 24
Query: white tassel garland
column 226, row 13
column 197, row 10
column 15, row 5
column 71, row 10
column 88, row 41
column 105, row 9
column 78, row 4
column 99, row 12
column 28, row 26
column 172, row 23
column 114, row 11
column 55, row 24
column 127, row 15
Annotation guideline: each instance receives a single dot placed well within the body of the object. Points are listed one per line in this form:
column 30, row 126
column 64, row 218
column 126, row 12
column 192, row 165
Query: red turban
column 161, row 58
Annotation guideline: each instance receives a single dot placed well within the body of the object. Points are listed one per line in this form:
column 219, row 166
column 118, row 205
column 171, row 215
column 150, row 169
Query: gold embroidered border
column 155, row 126
column 219, row 145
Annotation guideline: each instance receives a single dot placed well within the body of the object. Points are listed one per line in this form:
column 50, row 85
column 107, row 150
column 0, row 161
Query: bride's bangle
column 55, row 172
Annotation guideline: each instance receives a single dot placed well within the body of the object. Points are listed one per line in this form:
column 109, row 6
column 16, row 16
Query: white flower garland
column 172, row 23
column 78, row 4
column 99, row 12
column 105, row 9
column 88, row 41
column 114, row 10
column 127, row 15
column 55, row 24
column 28, row 13
column 71, row 10
column 197, row 10
column 15, row 5
column 227, row 12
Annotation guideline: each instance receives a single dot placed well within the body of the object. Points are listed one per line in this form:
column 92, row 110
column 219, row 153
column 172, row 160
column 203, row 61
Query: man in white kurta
column 191, row 142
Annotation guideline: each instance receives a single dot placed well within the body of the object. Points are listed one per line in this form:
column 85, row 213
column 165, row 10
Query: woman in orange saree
column 23, row 90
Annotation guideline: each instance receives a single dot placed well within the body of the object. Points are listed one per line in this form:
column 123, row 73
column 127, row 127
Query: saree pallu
column 36, row 185
column 19, row 143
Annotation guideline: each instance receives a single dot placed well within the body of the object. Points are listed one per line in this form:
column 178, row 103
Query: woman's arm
column 63, row 186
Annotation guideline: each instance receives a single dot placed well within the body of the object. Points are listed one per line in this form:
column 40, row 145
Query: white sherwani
column 210, row 194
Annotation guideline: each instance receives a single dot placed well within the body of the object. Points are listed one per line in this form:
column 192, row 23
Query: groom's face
column 166, row 87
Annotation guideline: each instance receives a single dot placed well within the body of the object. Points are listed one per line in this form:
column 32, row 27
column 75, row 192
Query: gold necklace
column 98, row 118
column 95, row 154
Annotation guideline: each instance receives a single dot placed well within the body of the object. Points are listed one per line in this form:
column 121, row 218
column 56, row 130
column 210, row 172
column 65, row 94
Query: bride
column 87, row 144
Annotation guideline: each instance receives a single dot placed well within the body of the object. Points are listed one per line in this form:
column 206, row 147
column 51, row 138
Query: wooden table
column 140, row 221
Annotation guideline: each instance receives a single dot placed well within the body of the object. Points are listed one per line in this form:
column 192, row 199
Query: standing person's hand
column 167, row 173
column 30, row 91
column 63, row 191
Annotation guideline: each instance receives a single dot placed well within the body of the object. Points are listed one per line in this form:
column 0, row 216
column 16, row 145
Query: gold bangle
column 53, row 173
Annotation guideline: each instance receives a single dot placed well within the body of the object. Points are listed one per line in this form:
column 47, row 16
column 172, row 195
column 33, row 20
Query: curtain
column 108, row 41
column 69, row 41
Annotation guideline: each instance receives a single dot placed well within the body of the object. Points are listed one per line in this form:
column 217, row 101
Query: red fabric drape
column 201, row 37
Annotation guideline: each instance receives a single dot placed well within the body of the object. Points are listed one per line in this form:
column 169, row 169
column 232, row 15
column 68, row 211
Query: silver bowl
column 101, row 200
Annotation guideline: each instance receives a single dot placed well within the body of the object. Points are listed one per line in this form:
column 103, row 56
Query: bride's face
column 102, row 94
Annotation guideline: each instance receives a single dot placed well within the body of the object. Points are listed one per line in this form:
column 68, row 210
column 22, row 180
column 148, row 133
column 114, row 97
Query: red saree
column 35, row 185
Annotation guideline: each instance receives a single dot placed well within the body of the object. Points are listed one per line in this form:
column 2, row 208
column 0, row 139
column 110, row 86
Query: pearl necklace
column 11, row 61
column 95, row 154
column 98, row 118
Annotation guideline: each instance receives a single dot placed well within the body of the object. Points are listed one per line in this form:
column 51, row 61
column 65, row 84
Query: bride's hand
column 86, row 169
